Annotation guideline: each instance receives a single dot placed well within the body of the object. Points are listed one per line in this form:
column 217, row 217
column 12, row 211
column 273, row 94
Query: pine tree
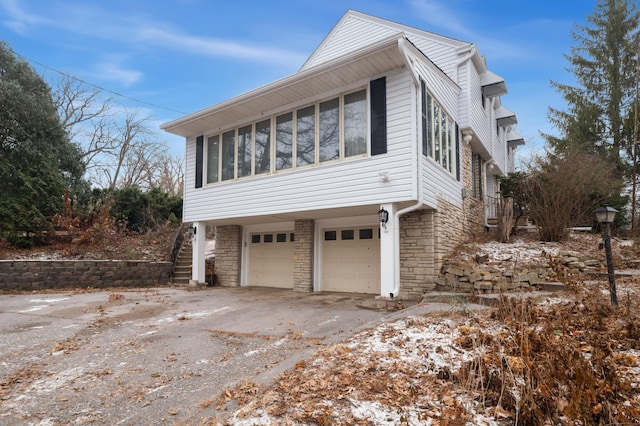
column 37, row 160
column 600, row 105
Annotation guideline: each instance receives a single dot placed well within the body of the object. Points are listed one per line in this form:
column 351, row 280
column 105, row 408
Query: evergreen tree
column 600, row 105
column 37, row 160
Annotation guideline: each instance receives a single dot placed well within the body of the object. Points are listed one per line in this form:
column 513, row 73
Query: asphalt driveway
column 156, row 356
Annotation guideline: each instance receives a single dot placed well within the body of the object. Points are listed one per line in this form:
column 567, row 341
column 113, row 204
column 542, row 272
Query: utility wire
column 94, row 85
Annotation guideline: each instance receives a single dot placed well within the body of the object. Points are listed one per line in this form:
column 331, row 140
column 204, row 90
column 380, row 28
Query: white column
column 199, row 247
column 389, row 256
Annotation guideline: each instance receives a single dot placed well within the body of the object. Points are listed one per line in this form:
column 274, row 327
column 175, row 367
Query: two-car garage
column 347, row 259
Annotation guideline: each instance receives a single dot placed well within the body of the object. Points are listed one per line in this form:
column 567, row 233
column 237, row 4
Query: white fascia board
column 299, row 78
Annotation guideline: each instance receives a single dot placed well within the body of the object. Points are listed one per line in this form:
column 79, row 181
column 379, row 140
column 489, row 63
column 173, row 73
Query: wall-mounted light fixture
column 467, row 135
column 192, row 231
column 383, row 216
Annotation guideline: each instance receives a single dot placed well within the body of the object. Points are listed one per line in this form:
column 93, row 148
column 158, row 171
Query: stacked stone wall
column 228, row 249
column 55, row 274
column 303, row 256
column 417, row 266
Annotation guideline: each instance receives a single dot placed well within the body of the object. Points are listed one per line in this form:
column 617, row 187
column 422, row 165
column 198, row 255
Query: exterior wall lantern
column 383, row 216
column 192, row 231
column 605, row 215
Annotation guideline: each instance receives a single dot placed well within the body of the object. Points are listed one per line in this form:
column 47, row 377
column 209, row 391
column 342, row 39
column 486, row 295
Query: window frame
column 440, row 140
column 273, row 120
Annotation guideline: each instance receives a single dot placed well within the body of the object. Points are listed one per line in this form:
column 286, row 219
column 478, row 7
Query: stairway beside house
column 182, row 269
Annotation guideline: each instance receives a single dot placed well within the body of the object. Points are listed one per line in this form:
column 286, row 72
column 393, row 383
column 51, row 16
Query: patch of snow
column 50, row 300
column 33, row 309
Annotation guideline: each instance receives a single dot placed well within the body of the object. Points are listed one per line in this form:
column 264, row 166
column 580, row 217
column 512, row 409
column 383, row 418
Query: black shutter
column 457, row 152
column 423, row 116
column 378, row 96
column 199, row 160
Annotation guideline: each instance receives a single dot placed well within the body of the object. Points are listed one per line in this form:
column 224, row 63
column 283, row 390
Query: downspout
column 395, row 292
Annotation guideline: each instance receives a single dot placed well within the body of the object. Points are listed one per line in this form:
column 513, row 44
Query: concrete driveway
column 156, row 356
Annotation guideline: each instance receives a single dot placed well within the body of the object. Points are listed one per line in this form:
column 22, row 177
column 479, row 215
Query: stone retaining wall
column 479, row 278
column 52, row 274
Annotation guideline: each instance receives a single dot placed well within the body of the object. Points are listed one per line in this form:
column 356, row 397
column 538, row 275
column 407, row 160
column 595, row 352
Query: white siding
column 478, row 114
column 356, row 30
column 446, row 95
column 344, row 184
column 464, row 97
column 352, row 34
column 438, row 183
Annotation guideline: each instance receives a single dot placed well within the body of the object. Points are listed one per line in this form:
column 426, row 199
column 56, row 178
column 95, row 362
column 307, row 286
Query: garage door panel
column 351, row 261
column 271, row 260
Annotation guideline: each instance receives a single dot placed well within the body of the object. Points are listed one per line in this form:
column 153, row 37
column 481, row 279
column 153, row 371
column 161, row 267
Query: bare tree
column 79, row 105
column 562, row 190
column 118, row 147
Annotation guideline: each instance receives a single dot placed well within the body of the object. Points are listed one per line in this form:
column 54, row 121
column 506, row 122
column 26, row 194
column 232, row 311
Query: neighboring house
column 381, row 116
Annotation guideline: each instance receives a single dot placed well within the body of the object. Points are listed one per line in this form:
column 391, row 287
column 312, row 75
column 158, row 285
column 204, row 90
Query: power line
column 94, row 85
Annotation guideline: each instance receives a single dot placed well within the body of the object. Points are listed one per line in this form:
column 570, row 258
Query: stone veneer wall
column 427, row 237
column 473, row 207
column 228, row 248
column 449, row 230
column 303, row 256
column 52, row 274
column 417, row 267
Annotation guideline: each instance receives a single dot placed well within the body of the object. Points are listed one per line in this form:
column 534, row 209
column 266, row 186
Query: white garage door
column 271, row 259
column 351, row 259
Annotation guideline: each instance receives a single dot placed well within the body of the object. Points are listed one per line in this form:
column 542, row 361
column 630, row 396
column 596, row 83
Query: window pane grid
column 329, row 130
column 439, row 139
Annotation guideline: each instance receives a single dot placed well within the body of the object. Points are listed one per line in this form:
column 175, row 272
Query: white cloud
column 111, row 71
column 439, row 15
column 132, row 33
column 216, row 47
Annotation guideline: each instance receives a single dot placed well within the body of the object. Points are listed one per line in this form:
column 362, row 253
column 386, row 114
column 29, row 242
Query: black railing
column 177, row 243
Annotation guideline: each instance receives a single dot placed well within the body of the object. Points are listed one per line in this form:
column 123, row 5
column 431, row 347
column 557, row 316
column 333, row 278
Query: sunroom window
column 329, row 130
column 355, row 123
column 263, row 147
column 439, row 140
column 284, row 141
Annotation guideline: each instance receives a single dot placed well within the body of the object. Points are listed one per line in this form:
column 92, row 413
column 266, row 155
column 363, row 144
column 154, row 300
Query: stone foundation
column 303, row 256
column 228, row 246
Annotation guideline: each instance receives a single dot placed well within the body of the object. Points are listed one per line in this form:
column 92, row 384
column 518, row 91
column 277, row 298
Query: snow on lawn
column 393, row 374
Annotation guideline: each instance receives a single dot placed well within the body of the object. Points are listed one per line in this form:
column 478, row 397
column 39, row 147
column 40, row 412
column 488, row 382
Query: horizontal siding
column 354, row 34
column 446, row 95
column 437, row 183
column 478, row 115
column 464, row 97
column 350, row 183
column 444, row 56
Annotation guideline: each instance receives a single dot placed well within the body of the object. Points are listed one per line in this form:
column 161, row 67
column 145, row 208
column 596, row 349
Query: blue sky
column 179, row 56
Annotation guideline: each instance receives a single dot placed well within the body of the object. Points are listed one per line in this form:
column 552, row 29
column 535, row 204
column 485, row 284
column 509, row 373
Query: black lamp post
column 605, row 215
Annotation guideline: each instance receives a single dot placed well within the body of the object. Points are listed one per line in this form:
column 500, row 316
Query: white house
column 381, row 117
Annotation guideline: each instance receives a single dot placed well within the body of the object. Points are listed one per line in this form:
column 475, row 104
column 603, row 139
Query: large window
column 213, row 158
column 306, row 136
column 228, row 154
column 355, row 123
column 439, row 139
column 263, row 147
column 284, row 141
column 329, row 130
column 244, row 151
